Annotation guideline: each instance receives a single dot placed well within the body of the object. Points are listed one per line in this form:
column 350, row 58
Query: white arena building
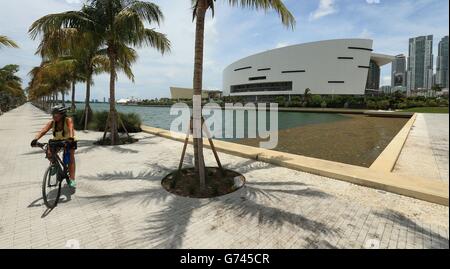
column 341, row 67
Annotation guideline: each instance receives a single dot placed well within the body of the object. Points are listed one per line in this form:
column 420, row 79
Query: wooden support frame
column 186, row 141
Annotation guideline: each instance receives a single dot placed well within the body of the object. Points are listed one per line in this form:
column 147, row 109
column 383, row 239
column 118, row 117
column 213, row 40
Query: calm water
column 160, row 116
column 352, row 139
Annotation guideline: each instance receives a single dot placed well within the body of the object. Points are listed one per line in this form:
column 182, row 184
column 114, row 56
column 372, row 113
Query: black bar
column 334, row 81
column 242, row 68
column 293, row 71
column 345, row 58
column 358, row 48
column 263, row 69
column 363, row 66
column 257, row 78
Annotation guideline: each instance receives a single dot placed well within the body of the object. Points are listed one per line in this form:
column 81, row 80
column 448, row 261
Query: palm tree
column 11, row 92
column 117, row 25
column 199, row 11
column 49, row 79
column 307, row 96
column 6, row 42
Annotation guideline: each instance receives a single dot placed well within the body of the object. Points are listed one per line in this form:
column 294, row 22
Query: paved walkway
column 426, row 150
column 119, row 202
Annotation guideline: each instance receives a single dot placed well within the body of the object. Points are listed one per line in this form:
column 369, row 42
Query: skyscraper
column 442, row 64
column 373, row 77
column 398, row 73
column 420, row 63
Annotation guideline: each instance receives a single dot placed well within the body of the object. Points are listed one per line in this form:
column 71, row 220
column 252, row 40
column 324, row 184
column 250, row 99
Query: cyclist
column 63, row 130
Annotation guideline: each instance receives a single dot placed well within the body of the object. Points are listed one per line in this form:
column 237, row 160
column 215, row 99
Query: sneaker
column 72, row 183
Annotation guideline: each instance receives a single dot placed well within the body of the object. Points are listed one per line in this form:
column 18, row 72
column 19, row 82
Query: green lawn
column 427, row 109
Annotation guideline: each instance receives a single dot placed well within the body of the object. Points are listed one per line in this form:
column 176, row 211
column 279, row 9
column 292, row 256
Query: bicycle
column 57, row 171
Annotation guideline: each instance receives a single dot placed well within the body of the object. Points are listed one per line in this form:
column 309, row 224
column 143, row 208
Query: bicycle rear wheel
column 51, row 186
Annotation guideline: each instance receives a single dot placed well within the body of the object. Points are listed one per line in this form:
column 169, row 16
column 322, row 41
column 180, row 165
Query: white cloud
column 326, row 7
column 370, row 2
column 365, row 34
column 281, row 45
column 73, row 1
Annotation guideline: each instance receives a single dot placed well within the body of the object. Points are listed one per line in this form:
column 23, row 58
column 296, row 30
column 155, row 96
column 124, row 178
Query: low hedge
column 97, row 121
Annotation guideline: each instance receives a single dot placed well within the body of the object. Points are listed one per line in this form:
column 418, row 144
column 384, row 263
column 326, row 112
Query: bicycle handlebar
column 52, row 144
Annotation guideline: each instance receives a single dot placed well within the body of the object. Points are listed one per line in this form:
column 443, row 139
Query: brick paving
column 120, row 203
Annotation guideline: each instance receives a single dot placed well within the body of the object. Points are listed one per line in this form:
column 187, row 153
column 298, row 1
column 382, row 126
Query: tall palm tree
column 49, row 79
column 121, row 23
column 6, row 42
column 117, row 25
column 11, row 92
column 199, row 11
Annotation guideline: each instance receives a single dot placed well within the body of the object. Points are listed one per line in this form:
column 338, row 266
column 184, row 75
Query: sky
column 232, row 34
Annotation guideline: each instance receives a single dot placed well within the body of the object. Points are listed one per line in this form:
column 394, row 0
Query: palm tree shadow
column 166, row 228
column 256, row 200
column 250, row 206
column 153, row 173
column 406, row 222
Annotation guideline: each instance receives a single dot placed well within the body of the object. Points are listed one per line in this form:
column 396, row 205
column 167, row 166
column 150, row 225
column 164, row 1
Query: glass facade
column 373, row 78
column 442, row 63
column 398, row 72
column 420, row 63
column 262, row 87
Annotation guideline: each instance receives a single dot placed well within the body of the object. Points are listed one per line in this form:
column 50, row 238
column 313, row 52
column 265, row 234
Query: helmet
column 59, row 110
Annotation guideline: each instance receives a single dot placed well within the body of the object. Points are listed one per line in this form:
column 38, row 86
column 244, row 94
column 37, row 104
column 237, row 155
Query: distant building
column 401, row 89
column 420, row 65
column 442, row 64
column 398, row 73
column 328, row 67
column 123, row 101
column 386, row 89
column 373, row 77
column 186, row 93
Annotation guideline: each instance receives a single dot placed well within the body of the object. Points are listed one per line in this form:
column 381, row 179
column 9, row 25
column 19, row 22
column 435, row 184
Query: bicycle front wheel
column 51, row 186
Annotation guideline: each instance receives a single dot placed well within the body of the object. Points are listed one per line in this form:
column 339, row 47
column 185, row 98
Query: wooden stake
column 213, row 148
column 106, row 128
column 123, row 125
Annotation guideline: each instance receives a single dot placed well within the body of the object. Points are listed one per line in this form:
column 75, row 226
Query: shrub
column 432, row 103
column 97, row 122
column 323, row 104
column 383, row 104
column 296, row 101
column 442, row 102
column 335, row 101
column 372, row 104
column 280, row 100
column 356, row 102
column 402, row 105
column 78, row 118
column 418, row 103
column 316, row 101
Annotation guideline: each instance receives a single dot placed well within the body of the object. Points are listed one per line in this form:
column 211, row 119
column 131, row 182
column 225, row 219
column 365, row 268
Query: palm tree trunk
column 63, row 99
column 73, row 106
column 112, row 98
column 87, row 108
column 198, row 76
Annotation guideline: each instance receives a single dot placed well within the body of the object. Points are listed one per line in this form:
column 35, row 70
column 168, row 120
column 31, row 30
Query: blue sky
column 235, row 33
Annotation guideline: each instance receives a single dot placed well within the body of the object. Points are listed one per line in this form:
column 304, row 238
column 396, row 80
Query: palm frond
column 277, row 5
column 5, row 41
column 53, row 22
column 146, row 11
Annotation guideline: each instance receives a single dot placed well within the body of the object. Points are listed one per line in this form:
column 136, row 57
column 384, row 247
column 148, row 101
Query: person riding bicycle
column 63, row 130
